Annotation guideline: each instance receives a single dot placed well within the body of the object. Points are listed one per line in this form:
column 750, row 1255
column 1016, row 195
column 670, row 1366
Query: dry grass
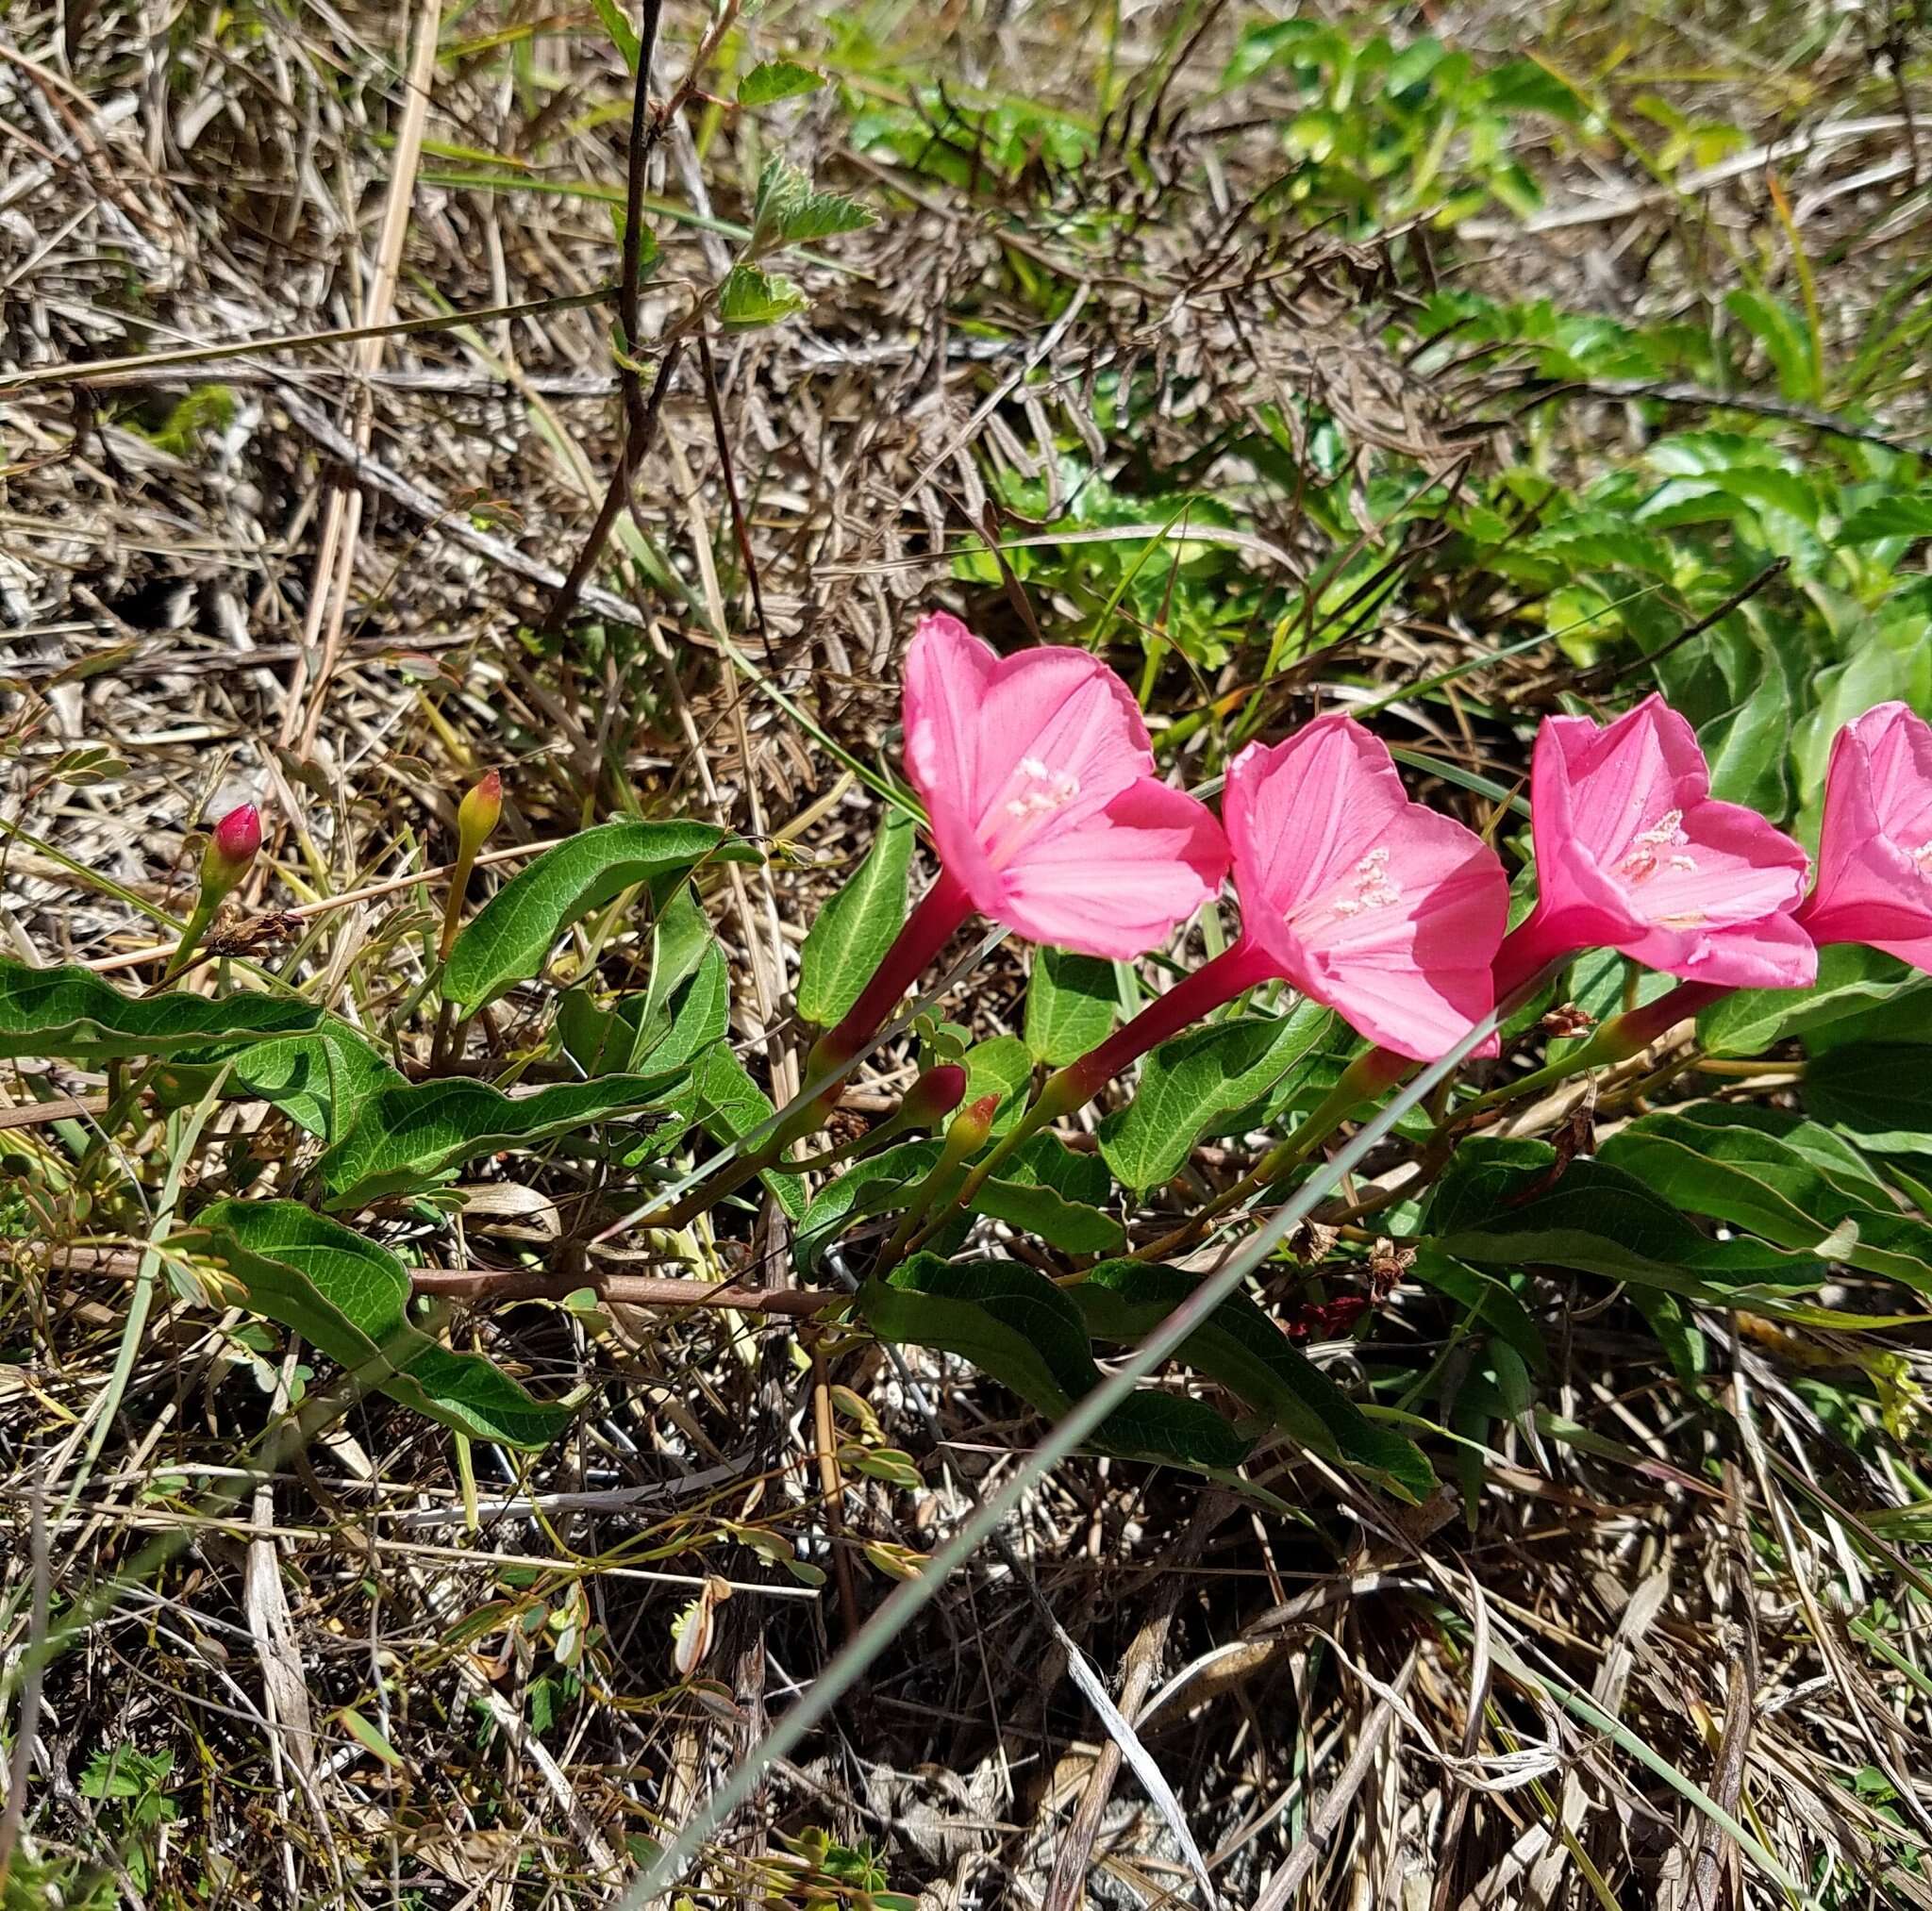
column 381, row 1684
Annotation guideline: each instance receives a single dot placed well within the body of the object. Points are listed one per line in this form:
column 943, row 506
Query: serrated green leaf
column 1908, row 515
column 409, row 1135
column 1190, row 1082
column 751, row 297
column 349, row 1297
column 511, row 936
column 1071, row 1004
column 1850, row 979
column 823, row 215
column 854, row 929
column 1012, row 1322
column 1721, row 1162
column 776, row 79
column 1240, row 1347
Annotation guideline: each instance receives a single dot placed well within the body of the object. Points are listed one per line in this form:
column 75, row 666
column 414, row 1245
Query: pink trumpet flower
column 1038, row 775
column 1875, row 867
column 1374, row 904
column 1633, row 854
column 1874, row 853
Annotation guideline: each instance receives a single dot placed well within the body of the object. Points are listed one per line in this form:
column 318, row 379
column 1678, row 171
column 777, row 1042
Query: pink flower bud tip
column 936, row 1094
column 477, row 814
column 230, row 850
column 237, row 836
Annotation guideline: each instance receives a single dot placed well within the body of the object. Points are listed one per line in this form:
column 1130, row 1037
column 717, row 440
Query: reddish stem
column 1192, row 997
column 928, row 930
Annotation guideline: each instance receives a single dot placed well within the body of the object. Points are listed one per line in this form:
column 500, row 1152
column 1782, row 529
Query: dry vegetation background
column 309, row 400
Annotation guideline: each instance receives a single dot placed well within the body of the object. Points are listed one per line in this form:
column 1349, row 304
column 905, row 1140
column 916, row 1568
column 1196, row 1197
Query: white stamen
column 1667, row 833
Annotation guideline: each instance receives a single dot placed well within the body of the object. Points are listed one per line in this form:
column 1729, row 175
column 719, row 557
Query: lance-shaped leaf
column 1706, row 1159
column 1240, row 1347
column 1496, row 1206
column 854, row 929
column 1014, row 1324
column 1851, row 978
column 349, row 1297
column 407, row 1136
column 1073, row 1003
column 322, row 1080
column 508, row 939
column 1190, row 1082
column 1881, row 1092
column 72, row 1013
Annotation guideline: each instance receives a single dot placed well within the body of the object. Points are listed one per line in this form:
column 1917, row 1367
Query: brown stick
column 630, row 1291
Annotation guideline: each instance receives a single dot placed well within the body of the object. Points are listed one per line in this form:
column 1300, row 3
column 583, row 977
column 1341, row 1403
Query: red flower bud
column 477, row 813
column 935, row 1095
column 230, row 850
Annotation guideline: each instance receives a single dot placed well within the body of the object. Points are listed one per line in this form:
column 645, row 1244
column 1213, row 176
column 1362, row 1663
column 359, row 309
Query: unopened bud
column 934, row 1095
column 230, row 850
column 970, row 1127
column 479, row 812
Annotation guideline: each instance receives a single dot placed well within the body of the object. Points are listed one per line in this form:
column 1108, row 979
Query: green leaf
column 1071, row 1004
column 1720, row 1161
column 623, row 34
column 409, row 1135
column 1013, row 1324
column 314, row 1066
column 607, row 1041
column 776, row 79
column 878, row 1185
column 72, row 1013
column 1052, row 1192
column 823, row 215
column 751, row 297
column 1190, row 1082
column 349, row 1297
column 1850, row 979
column 728, row 1104
column 679, row 938
column 1908, row 515
column 787, row 212
column 1491, row 1305
column 322, row 1081
column 1240, row 1347
column 1001, row 1067
column 854, row 929
column 508, row 941
column 1879, row 1091
column 1597, row 1218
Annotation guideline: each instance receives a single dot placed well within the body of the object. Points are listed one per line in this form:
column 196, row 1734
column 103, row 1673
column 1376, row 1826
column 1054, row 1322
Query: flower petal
column 1006, row 750
column 1596, row 789
column 1117, row 883
column 1873, row 885
column 1774, row 952
column 1365, row 899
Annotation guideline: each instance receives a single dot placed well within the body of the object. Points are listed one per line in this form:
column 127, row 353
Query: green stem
column 1361, row 1081
column 191, row 938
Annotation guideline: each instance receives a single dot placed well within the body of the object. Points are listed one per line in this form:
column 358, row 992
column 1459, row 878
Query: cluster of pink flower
column 1048, row 818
